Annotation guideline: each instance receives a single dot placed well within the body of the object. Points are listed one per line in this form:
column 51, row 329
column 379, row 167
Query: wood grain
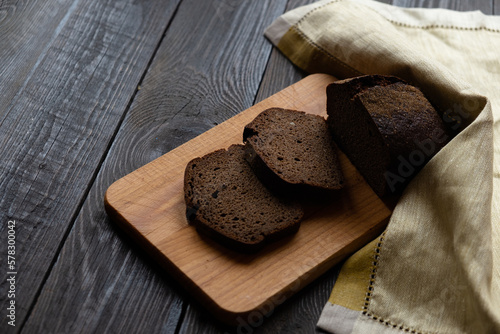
column 149, row 204
column 275, row 79
column 27, row 29
column 54, row 134
column 102, row 281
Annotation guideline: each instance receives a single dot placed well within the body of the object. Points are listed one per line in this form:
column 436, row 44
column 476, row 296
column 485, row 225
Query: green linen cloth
column 436, row 268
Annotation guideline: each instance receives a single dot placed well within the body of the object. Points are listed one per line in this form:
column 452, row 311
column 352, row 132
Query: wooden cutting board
column 149, row 204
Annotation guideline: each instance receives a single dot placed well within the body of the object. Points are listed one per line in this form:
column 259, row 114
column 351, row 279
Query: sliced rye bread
column 226, row 201
column 386, row 127
column 292, row 151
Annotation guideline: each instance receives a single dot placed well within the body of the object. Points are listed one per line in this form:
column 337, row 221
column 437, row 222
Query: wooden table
column 92, row 90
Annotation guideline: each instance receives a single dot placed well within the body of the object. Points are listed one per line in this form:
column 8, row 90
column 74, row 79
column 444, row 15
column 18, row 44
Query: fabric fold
column 436, row 268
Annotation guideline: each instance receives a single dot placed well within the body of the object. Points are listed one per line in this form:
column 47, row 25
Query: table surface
column 92, row 90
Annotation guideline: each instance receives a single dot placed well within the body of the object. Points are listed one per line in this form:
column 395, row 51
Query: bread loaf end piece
column 386, row 127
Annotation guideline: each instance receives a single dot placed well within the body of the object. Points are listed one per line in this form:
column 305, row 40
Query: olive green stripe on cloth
column 352, row 288
column 437, row 267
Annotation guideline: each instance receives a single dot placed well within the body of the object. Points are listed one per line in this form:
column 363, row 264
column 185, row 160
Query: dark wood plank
column 207, row 69
column 486, row 6
column 26, row 27
column 275, row 78
column 64, row 115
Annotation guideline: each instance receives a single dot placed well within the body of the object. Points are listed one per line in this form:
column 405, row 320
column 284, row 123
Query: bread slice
column 226, row 201
column 296, row 147
column 386, row 127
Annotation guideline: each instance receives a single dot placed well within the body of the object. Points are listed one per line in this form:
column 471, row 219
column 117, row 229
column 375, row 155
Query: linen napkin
column 436, row 268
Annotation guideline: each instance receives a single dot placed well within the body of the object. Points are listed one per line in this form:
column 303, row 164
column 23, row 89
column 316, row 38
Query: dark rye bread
column 226, row 201
column 294, row 147
column 387, row 128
